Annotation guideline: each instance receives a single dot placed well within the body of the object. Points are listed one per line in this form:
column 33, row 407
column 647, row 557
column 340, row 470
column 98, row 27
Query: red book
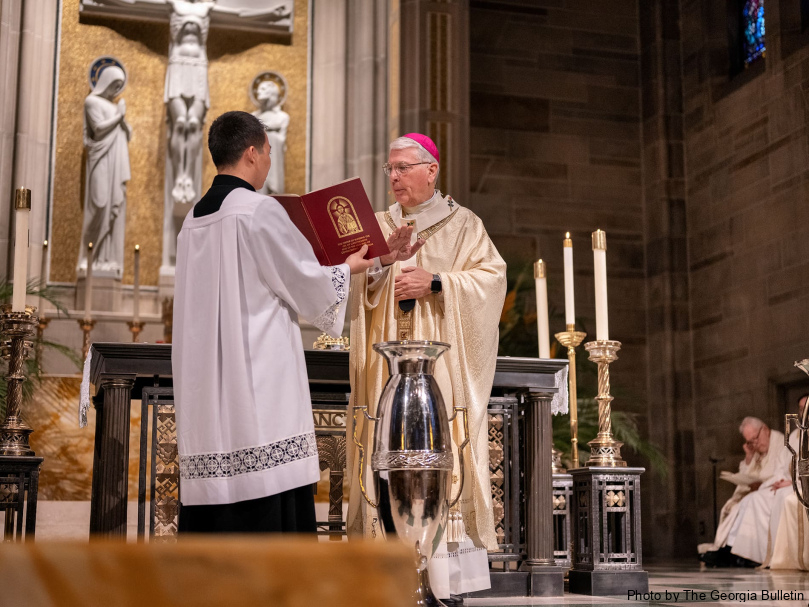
column 336, row 221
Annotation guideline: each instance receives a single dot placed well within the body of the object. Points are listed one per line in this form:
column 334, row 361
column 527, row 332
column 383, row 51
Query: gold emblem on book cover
column 344, row 217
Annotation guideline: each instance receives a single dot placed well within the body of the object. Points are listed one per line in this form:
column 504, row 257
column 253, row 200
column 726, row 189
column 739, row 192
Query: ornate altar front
column 520, row 441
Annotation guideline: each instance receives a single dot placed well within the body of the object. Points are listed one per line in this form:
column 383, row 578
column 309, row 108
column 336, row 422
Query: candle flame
column 45, row 244
column 89, row 245
column 567, row 234
column 137, row 247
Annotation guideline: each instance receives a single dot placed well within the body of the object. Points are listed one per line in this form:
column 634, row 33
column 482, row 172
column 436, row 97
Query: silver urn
column 800, row 459
column 412, row 451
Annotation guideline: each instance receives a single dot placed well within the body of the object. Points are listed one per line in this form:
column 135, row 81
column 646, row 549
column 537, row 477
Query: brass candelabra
column 136, row 328
column 604, row 449
column 15, row 327
column 571, row 339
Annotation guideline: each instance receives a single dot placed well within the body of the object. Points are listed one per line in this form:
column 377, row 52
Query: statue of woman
column 106, row 138
column 276, row 121
column 186, row 95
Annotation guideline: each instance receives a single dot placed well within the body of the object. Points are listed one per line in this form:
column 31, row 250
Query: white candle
column 600, row 266
column 136, row 287
column 88, row 284
column 570, row 307
column 542, row 310
column 22, row 206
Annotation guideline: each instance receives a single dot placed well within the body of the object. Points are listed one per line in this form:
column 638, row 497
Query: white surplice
column 244, row 275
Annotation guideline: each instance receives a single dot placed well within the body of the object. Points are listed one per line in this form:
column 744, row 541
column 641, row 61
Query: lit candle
column 22, row 206
column 542, row 310
column 600, row 266
column 570, row 307
column 136, row 287
column 88, row 284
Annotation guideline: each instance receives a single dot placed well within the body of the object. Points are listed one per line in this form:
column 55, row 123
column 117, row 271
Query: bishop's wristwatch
column 435, row 285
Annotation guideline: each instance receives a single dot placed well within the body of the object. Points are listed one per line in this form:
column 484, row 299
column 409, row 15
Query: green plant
column 33, row 370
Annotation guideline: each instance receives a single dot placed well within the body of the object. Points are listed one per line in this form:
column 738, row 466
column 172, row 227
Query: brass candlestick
column 604, row 450
column 15, row 328
column 86, row 325
column 136, row 328
column 571, row 339
column 41, row 326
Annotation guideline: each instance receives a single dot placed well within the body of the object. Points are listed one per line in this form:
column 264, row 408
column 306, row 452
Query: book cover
column 336, row 221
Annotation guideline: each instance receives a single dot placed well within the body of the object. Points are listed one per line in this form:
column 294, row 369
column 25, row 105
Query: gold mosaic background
column 234, row 59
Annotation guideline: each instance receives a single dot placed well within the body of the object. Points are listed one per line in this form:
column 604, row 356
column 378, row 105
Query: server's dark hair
column 231, row 134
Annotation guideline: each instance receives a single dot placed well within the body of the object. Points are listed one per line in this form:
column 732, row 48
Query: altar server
column 445, row 281
column 244, row 275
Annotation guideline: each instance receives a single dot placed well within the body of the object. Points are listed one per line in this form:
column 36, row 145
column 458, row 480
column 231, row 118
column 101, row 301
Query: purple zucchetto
column 426, row 143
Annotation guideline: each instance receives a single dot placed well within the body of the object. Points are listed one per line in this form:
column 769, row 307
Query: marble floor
column 684, row 583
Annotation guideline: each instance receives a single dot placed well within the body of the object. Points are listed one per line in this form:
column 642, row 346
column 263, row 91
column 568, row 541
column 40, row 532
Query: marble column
column 10, row 27
column 546, row 579
column 434, row 83
column 108, row 501
column 34, row 121
column 350, row 94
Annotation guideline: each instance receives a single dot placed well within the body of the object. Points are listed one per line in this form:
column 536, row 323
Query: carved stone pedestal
column 607, row 559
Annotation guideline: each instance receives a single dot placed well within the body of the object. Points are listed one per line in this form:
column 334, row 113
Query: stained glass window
column 753, row 47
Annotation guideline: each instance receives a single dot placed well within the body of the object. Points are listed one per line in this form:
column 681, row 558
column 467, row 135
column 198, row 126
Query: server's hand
column 357, row 262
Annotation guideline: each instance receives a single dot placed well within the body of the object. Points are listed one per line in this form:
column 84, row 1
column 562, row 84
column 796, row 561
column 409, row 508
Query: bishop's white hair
column 404, row 143
column 753, row 422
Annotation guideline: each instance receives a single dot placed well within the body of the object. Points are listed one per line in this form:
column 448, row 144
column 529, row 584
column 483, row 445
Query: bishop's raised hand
column 400, row 247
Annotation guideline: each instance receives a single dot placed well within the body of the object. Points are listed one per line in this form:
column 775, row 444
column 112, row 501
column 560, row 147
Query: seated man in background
column 738, row 528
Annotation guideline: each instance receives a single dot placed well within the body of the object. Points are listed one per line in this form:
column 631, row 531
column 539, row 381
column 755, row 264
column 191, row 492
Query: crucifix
column 186, row 93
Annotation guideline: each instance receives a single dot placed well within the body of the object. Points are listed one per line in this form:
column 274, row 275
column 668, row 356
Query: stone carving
column 106, row 139
column 186, row 95
column 186, row 89
column 268, row 91
column 253, row 15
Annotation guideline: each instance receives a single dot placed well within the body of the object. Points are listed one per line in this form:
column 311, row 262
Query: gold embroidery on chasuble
column 404, row 320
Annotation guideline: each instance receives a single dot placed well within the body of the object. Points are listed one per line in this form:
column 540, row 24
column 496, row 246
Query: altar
column 526, row 563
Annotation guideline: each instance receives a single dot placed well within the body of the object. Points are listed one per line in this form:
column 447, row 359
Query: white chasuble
column 466, row 315
column 244, row 416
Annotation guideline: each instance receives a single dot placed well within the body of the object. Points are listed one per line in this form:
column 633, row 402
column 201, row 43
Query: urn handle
column 788, row 419
column 461, row 447
column 357, row 442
